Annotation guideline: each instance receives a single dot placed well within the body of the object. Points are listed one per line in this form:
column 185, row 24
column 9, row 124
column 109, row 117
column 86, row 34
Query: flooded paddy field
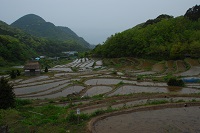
column 62, row 93
column 37, row 88
column 177, row 120
column 46, row 92
column 124, row 90
column 97, row 90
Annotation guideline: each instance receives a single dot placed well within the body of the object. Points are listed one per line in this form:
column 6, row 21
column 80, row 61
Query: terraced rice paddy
column 134, row 103
column 62, row 93
column 117, row 88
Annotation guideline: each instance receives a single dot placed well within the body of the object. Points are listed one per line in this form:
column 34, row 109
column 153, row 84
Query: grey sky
column 94, row 20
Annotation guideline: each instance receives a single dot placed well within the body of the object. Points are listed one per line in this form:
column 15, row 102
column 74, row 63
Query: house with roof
column 32, row 68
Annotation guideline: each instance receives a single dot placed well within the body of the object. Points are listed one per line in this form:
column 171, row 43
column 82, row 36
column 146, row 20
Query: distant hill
column 17, row 46
column 162, row 38
column 37, row 26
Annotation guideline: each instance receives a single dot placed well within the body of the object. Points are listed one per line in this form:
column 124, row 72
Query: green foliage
column 175, row 82
column 97, row 112
column 170, row 38
column 156, row 102
column 7, row 96
column 22, row 102
column 140, row 77
column 13, row 75
column 73, row 118
column 168, row 76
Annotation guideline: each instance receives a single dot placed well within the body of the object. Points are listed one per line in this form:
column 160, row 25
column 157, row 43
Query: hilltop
column 37, row 26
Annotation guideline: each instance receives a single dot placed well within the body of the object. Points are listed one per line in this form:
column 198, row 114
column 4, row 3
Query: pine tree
column 7, row 96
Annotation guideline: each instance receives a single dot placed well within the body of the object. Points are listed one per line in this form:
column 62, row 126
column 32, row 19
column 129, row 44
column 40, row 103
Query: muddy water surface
column 37, row 88
column 176, row 120
column 150, row 89
column 97, row 90
column 63, row 93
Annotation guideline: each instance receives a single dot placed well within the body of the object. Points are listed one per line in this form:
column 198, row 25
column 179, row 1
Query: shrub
column 46, row 70
column 7, row 96
column 13, row 75
column 175, row 82
column 22, row 102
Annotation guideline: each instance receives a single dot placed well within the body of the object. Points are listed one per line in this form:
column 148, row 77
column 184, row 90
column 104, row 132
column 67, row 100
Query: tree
column 12, row 74
column 7, row 96
column 18, row 73
column 46, row 70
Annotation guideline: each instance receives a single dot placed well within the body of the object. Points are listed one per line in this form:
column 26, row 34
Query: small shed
column 32, row 68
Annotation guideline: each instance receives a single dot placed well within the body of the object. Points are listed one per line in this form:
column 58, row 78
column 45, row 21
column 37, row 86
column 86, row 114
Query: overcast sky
column 94, row 20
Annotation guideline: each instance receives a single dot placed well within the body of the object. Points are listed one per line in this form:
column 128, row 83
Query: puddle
column 64, row 93
column 177, row 120
column 97, row 90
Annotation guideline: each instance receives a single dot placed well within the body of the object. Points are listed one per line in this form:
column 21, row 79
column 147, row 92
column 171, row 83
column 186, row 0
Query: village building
column 32, row 68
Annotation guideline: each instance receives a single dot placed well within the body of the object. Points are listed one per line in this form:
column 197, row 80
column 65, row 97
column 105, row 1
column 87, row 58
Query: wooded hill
column 17, row 46
column 162, row 38
column 37, row 26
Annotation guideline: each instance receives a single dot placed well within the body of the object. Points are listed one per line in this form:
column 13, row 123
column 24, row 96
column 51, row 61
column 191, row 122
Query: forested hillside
column 162, row 38
column 16, row 46
column 37, row 26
